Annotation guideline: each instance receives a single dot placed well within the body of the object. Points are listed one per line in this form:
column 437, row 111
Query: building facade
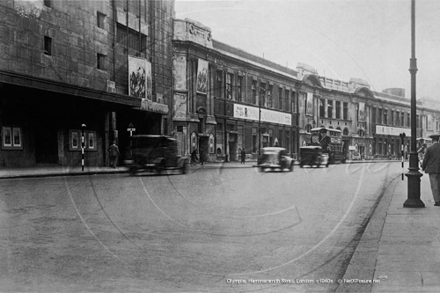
column 226, row 100
column 77, row 74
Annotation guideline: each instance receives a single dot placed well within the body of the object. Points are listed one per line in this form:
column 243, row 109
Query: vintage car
column 313, row 156
column 156, row 153
column 274, row 158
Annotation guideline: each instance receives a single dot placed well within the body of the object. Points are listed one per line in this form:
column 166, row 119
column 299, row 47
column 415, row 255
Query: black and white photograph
column 219, row 146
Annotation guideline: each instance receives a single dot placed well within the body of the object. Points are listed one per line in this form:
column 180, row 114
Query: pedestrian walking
column 194, row 157
column 431, row 165
column 114, row 155
column 243, row 156
column 202, row 156
column 422, row 149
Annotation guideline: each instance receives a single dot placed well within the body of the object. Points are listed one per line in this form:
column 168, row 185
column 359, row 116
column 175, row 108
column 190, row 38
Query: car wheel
column 133, row 171
column 185, row 167
column 160, row 167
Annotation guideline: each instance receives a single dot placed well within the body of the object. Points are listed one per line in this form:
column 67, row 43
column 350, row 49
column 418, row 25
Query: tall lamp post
column 413, row 200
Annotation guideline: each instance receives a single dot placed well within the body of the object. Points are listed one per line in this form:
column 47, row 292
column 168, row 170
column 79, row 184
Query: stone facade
column 64, row 72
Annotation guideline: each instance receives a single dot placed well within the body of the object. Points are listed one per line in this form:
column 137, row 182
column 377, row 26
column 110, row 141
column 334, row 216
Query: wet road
column 213, row 230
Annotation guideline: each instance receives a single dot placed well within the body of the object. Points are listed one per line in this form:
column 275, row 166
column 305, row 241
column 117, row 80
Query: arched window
column 308, row 128
column 345, row 132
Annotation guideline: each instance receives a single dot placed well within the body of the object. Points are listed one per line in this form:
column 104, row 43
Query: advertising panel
column 252, row 113
column 139, row 78
column 202, row 76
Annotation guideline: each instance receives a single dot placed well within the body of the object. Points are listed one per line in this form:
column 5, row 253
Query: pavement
column 399, row 250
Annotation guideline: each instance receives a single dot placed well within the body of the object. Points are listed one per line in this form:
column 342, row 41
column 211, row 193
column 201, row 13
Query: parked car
column 273, row 158
column 155, row 153
column 313, row 156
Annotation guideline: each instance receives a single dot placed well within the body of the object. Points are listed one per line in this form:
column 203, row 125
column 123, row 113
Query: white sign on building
column 252, row 113
column 386, row 130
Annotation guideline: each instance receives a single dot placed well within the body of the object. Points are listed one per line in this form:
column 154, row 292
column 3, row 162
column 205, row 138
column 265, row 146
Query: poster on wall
column 179, row 106
column 362, row 115
column 139, row 78
column 309, row 104
column 202, row 76
column 179, row 72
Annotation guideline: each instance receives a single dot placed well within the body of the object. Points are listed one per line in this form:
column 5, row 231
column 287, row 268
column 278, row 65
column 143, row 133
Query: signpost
column 402, row 136
column 131, row 129
column 83, row 145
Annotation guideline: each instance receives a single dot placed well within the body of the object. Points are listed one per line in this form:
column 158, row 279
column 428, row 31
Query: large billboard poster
column 179, row 72
column 180, row 106
column 309, row 104
column 139, row 78
column 202, row 76
column 362, row 116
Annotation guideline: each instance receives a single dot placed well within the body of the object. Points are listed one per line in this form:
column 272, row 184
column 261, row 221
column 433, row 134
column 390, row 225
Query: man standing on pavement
column 431, row 165
column 114, row 155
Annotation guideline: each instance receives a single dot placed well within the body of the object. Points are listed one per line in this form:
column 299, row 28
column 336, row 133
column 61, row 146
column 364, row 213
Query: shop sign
column 154, row 107
column 252, row 113
column 386, row 130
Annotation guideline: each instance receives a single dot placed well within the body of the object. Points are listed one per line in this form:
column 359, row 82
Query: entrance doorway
column 232, row 146
column 204, row 146
column 46, row 145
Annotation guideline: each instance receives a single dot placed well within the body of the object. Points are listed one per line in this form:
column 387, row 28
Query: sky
column 341, row 39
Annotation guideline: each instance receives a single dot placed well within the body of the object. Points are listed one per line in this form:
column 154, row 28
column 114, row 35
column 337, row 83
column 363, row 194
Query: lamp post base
column 413, row 200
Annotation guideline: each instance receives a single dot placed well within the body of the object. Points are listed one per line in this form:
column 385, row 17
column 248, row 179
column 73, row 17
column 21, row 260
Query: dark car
column 155, row 153
column 313, row 156
column 273, row 158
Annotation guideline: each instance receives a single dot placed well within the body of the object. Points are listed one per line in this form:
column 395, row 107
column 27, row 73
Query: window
column 373, row 115
column 239, row 88
column 397, row 118
column 100, row 18
column 262, row 97
column 47, row 45
column 254, row 92
column 345, row 111
column 338, row 110
column 392, row 118
column 329, row 108
column 101, row 62
column 290, row 100
column 75, row 136
column 402, row 119
column 379, row 117
column 417, row 121
column 408, row 120
column 229, row 78
column 48, row 3
column 321, row 108
column 122, row 33
column 11, row 138
column 269, row 96
column 385, row 116
column 280, row 98
column 218, row 84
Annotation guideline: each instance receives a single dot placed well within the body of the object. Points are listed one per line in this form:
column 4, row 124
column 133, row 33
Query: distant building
column 226, row 99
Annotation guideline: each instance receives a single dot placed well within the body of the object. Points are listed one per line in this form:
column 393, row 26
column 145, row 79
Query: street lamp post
column 413, row 200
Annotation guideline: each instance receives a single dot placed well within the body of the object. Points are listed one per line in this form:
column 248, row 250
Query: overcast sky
column 367, row 39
